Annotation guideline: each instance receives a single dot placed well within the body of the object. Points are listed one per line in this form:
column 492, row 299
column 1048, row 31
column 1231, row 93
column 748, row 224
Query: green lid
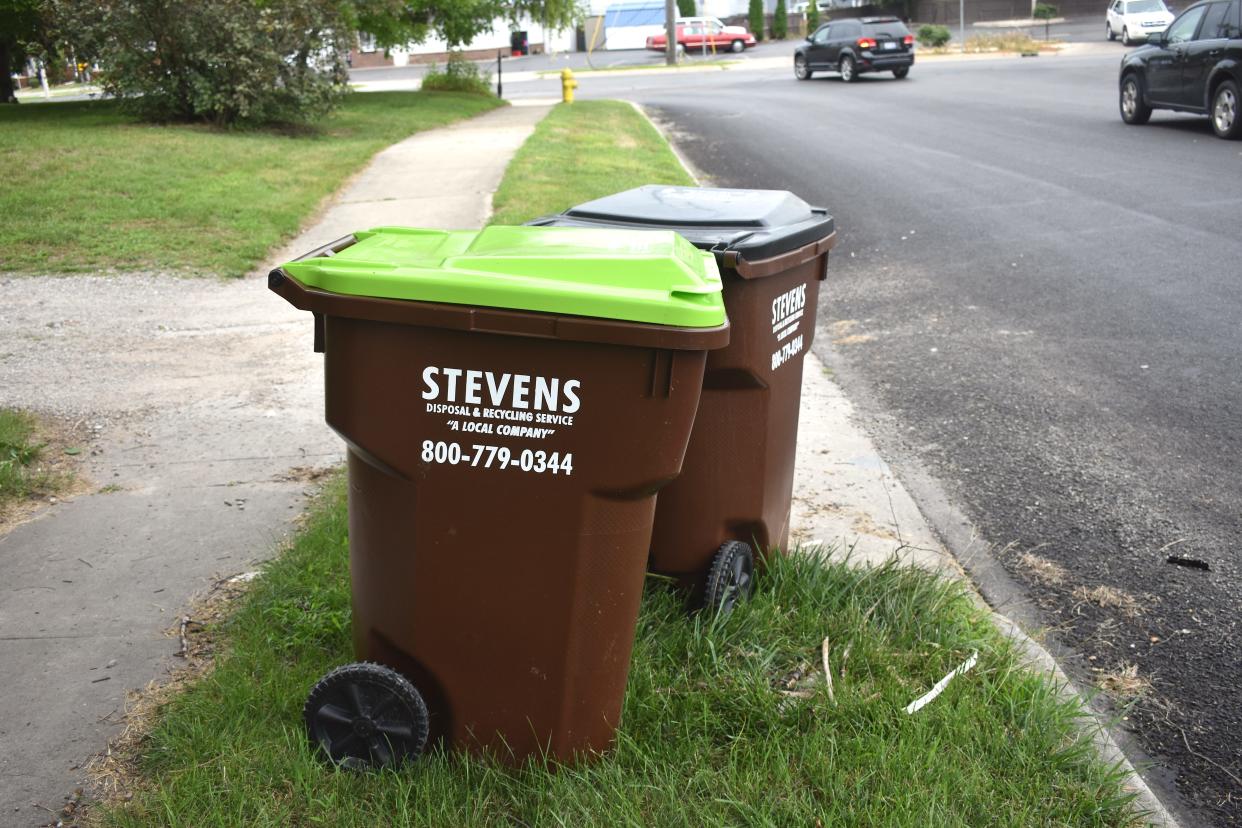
column 631, row 275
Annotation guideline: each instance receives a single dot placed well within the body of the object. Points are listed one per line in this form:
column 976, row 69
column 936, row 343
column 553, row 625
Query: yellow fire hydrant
column 568, row 85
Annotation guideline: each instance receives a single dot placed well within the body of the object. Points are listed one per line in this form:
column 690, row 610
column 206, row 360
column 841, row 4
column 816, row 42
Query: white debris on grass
column 921, row 702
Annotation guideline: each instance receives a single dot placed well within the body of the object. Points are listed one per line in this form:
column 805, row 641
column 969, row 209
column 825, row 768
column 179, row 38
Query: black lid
column 754, row 224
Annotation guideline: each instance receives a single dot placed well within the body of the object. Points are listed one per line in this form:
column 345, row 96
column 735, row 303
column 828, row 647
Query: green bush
column 1045, row 11
column 934, row 36
column 812, row 17
column 780, row 21
column 758, row 22
column 226, row 62
column 686, row 8
column 460, row 75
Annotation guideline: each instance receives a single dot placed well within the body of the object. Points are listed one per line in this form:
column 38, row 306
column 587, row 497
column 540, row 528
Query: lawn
column 726, row 721
column 88, row 188
column 583, row 151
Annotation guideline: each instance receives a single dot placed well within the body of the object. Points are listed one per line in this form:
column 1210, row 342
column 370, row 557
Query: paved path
column 202, row 395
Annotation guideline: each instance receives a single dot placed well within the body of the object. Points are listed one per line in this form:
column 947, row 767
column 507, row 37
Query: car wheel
column 900, row 72
column 1133, row 110
column 737, row 46
column 801, row 70
column 1108, row 30
column 848, row 73
column 1225, row 111
column 1125, row 36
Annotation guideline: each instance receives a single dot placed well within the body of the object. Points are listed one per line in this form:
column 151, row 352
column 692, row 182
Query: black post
column 500, row 87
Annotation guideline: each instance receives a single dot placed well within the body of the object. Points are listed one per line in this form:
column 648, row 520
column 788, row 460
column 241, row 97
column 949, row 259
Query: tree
column 401, row 22
column 758, row 23
column 780, row 21
column 222, row 61
column 812, row 16
column 687, row 8
column 27, row 29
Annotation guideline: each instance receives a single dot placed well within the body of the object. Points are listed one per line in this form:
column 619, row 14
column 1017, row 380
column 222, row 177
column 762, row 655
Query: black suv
column 851, row 47
column 1195, row 65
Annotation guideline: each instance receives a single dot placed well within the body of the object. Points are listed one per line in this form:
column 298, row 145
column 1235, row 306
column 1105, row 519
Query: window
column 1212, row 21
column 889, row 28
column 1144, row 6
column 1183, row 28
column 366, row 42
column 822, row 36
column 1231, row 26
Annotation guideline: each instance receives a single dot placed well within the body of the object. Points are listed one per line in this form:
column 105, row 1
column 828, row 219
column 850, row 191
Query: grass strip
column 582, row 151
column 89, row 188
column 22, row 474
column 726, row 722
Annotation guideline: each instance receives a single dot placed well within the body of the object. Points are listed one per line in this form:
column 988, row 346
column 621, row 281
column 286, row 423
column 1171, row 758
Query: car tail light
column 908, row 40
column 866, row 43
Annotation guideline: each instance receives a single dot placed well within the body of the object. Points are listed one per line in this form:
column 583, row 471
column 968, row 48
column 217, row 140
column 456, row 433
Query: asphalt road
column 1038, row 309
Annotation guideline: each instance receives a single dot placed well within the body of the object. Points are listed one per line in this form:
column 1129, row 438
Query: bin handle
column 330, row 249
column 761, row 268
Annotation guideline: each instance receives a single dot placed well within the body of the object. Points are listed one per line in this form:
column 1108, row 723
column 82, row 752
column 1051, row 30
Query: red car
column 695, row 32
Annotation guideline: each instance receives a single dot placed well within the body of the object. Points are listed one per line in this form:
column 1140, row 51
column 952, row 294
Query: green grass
column 88, row 188
column 583, row 151
column 707, row 738
column 21, row 474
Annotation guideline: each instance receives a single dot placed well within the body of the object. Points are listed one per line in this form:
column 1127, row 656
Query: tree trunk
column 7, row 93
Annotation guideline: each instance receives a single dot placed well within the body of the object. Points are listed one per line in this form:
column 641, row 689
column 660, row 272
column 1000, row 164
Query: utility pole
column 961, row 23
column 670, row 28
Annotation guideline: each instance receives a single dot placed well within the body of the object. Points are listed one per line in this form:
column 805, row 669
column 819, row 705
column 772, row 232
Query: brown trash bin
column 503, row 469
column 736, row 485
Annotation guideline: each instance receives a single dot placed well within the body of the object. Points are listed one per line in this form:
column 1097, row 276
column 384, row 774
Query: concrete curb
column 847, row 496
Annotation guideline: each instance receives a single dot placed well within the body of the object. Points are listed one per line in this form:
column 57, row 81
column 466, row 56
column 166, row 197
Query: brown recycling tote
column 512, row 400
column 736, row 484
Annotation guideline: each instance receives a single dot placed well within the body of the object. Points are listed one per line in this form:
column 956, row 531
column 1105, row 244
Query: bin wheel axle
column 730, row 579
column 366, row 715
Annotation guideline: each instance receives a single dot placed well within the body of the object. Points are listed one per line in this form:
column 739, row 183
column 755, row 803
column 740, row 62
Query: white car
column 1136, row 20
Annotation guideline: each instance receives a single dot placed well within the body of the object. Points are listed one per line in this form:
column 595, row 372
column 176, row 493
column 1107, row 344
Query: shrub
column 812, row 16
column 686, row 8
column 222, row 61
column 934, row 36
column 758, row 23
column 1045, row 11
column 780, row 21
column 460, row 75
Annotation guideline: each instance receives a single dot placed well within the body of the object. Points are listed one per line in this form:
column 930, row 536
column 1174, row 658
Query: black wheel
column 1108, row 30
column 801, row 70
column 365, row 715
column 900, row 72
column 1133, row 110
column 1225, row 119
column 848, row 73
column 731, row 578
column 737, row 45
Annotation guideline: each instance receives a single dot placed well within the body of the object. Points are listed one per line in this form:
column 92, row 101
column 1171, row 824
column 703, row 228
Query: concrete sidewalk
column 205, row 402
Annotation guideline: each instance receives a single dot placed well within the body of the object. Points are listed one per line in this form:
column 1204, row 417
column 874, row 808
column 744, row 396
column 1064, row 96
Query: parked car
column 853, row 47
column 697, row 32
column 1136, row 20
column 1193, row 66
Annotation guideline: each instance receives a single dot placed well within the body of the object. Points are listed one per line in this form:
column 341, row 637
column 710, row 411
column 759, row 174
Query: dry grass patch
column 1109, row 598
column 1042, row 569
column 1124, row 682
